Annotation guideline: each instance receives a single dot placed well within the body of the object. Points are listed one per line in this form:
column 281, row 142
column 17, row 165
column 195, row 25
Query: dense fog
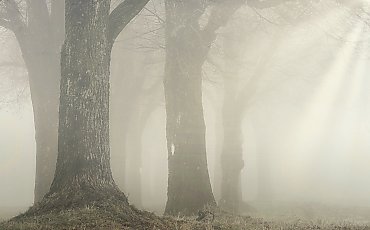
column 297, row 75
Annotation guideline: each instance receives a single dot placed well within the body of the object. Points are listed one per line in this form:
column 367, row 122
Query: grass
column 95, row 218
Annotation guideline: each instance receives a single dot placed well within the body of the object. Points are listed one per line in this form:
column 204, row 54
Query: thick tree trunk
column 83, row 175
column 189, row 186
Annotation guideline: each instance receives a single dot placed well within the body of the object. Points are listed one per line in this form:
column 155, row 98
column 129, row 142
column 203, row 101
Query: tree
column 40, row 34
column 236, row 104
column 136, row 91
column 188, row 42
column 83, row 175
column 187, row 46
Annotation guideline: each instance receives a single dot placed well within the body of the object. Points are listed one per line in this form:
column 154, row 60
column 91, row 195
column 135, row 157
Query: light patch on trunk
column 173, row 148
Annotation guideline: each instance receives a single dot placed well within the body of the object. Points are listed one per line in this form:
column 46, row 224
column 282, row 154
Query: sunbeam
column 304, row 138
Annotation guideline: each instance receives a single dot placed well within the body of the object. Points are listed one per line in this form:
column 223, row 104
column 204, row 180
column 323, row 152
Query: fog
column 303, row 94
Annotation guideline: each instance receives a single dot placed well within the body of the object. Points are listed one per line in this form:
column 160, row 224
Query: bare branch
column 5, row 24
column 220, row 15
column 12, row 17
column 122, row 15
column 155, row 14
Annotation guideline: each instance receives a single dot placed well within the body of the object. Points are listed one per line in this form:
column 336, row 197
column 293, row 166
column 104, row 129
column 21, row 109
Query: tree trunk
column 189, row 186
column 40, row 46
column 83, row 175
column 42, row 60
column 232, row 152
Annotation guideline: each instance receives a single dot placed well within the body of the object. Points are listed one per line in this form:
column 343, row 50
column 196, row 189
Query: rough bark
column 83, row 175
column 40, row 37
column 83, row 150
column 189, row 187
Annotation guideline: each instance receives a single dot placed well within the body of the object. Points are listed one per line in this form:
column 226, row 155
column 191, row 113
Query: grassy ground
column 99, row 219
column 9, row 212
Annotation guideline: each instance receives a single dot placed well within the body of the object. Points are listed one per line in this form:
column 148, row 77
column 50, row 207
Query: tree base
column 73, row 199
column 91, row 218
column 87, row 209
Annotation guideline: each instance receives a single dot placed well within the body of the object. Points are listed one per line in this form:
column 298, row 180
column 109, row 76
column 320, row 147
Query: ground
column 292, row 217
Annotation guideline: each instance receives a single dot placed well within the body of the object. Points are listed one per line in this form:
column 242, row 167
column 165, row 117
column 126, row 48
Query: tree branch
column 220, row 15
column 5, row 24
column 224, row 10
column 155, row 15
column 12, row 16
column 122, row 15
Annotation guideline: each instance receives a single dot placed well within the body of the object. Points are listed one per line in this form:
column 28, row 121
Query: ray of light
column 304, row 136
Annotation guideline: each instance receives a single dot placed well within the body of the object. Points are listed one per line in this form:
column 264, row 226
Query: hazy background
column 309, row 119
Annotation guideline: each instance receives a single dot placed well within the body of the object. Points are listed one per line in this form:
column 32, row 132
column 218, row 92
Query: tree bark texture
column 189, row 187
column 83, row 163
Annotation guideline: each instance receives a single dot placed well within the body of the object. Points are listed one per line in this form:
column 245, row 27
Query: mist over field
column 210, row 114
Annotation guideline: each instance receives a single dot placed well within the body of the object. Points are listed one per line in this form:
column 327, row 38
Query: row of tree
column 75, row 137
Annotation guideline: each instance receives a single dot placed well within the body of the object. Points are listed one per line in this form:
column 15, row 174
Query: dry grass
column 92, row 218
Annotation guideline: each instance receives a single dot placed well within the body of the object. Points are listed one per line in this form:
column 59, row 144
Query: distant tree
column 39, row 32
column 191, row 29
column 187, row 47
column 134, row 99
column 237, row 101
column 136, row 93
